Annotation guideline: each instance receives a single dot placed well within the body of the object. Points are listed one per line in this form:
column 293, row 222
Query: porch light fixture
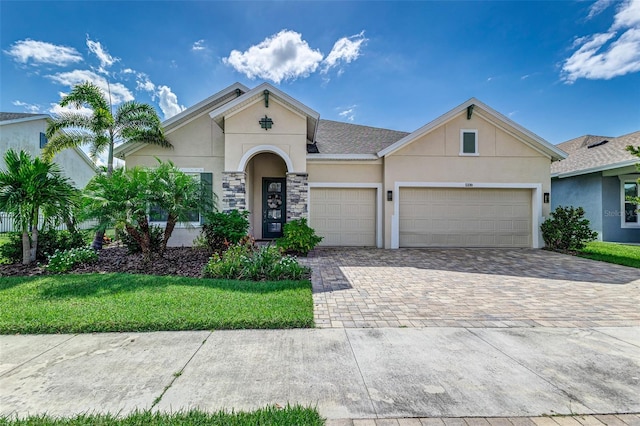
column 470, row 111
column 266, row 98
column 545, row 198
column 265, row 123
column 389, row 195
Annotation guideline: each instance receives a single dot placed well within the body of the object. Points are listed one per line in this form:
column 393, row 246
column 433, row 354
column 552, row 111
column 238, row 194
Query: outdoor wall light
column 545, row 198
column 389, row 195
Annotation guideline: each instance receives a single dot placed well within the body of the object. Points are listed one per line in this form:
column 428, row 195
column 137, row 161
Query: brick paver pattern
column 469, row 288
column 591, row 420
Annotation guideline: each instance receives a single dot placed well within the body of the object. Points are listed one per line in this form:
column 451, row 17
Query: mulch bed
column 178, row 261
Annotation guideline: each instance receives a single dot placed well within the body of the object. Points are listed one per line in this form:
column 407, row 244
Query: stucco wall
column 345, row 171
column 26, row 136
column 581, row 191
column 243, row 133
column 435, row 157
column 612, row 214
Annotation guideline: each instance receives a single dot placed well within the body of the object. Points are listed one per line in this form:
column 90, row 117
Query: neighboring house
column 597, row 175
column 22, row 131
column 470, row 178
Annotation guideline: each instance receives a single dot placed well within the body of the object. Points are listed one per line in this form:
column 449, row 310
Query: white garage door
column 461, row 217
column 344, row 216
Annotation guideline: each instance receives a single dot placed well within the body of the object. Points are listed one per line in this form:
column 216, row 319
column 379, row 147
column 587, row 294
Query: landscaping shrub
column 220, row 230
column 156, row 234
column 65, row 260
column 298, row 238
column 567, row 230
column 246, row 262
column 49, row 240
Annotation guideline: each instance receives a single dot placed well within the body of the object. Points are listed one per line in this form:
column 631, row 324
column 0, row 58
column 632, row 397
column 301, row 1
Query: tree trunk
column 168, row 230
column 97, row 241
column 26, row 248
column 34, row 244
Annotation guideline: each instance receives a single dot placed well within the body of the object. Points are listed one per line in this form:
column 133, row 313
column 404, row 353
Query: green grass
column 124, row 302
column 620, row 254
column 295, row 415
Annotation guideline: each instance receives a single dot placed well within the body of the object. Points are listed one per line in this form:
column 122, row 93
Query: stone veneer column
column 297, row 195
column 234, row 191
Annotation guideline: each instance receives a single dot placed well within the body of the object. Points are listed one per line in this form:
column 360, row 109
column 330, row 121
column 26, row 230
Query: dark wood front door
column 274, row 209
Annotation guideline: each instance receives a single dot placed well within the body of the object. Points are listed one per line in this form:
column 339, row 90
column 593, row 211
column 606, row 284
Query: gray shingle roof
column 582, row 157
column 334, row 137
column 6, row 116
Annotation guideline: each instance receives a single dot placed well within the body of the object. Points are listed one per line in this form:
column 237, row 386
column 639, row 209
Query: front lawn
column 126, row 302
column 267, row 416
column 620, row 254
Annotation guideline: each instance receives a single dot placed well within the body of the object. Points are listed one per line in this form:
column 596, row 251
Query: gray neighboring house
column 23, row 131
column 597, row 175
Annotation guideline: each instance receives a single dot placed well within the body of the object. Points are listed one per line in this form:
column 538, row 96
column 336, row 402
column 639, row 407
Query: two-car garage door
column 465, row 217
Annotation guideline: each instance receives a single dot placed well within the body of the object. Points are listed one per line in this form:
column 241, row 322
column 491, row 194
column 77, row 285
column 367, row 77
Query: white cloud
column 283, row 56
column 610, row 54
column 198, row 45
column 169, row 102
column 32, row 108
column 43, row 53
column 105, row 59
column 599, row 7
column 144, row 83
column 56, row 109
column 345, row 50
column 119, row 92
column 348, row 113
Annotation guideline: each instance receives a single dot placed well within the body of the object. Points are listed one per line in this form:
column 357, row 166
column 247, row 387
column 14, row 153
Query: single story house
column 470, row 178
column 598, row 175
column 26, row 132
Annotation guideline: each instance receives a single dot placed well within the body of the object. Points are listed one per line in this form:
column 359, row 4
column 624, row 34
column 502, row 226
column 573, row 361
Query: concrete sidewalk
column 346, row 373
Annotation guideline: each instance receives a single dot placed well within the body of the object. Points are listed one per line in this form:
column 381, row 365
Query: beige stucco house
column 469, row 178
column 26, row 132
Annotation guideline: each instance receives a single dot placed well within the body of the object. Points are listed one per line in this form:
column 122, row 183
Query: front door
column 274, row 209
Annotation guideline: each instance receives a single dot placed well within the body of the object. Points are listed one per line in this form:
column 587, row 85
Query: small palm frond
column 62, row 140
column 86, row 93
column 99, row 145
column 67, row 120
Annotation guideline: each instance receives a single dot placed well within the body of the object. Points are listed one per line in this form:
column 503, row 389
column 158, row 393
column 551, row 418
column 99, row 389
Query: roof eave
column 24, row 119
column 596, row 169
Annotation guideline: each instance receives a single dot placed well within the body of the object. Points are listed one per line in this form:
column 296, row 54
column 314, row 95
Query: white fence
column 6, row 223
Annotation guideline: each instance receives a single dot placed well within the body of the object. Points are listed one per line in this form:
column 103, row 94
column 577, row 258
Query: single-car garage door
column 465, row 217
column 344, row 216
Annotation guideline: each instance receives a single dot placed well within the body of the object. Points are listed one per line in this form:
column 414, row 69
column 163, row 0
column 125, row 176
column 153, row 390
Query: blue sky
column 560, row 68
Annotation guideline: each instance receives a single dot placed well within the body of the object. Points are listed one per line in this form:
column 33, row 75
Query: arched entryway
column 266, row 186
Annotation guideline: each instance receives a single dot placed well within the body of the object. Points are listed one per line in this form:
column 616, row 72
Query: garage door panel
column 344, row 216
column 456, row 217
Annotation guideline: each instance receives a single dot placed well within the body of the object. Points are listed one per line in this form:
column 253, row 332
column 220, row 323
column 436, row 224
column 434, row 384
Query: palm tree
column 179, row 196
column 30, row 187
column 133, row 122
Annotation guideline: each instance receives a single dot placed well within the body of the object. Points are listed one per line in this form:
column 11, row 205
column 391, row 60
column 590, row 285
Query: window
column 629, row 208
column 43, row 140
column 468, row 142
column 156, row 214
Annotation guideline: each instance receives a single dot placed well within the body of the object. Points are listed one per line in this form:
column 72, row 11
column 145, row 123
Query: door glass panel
column 275, row 214
column 275, row 187
column 274, row 227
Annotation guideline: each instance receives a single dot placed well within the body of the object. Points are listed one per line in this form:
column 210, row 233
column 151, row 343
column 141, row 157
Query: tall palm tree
column 133, row 122
column 30, row 187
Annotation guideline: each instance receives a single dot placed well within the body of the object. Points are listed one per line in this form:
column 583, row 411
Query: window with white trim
column 629, row 188
column 468, row 142
column 157, row 215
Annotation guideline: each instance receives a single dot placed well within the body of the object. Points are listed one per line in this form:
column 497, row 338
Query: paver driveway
column 470, row 288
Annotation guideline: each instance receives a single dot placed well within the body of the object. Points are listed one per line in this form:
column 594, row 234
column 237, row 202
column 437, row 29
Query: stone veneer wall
column 297, row 195
column 234, row 191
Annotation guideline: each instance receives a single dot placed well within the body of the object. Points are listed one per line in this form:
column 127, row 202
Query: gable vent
column 593, row 145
